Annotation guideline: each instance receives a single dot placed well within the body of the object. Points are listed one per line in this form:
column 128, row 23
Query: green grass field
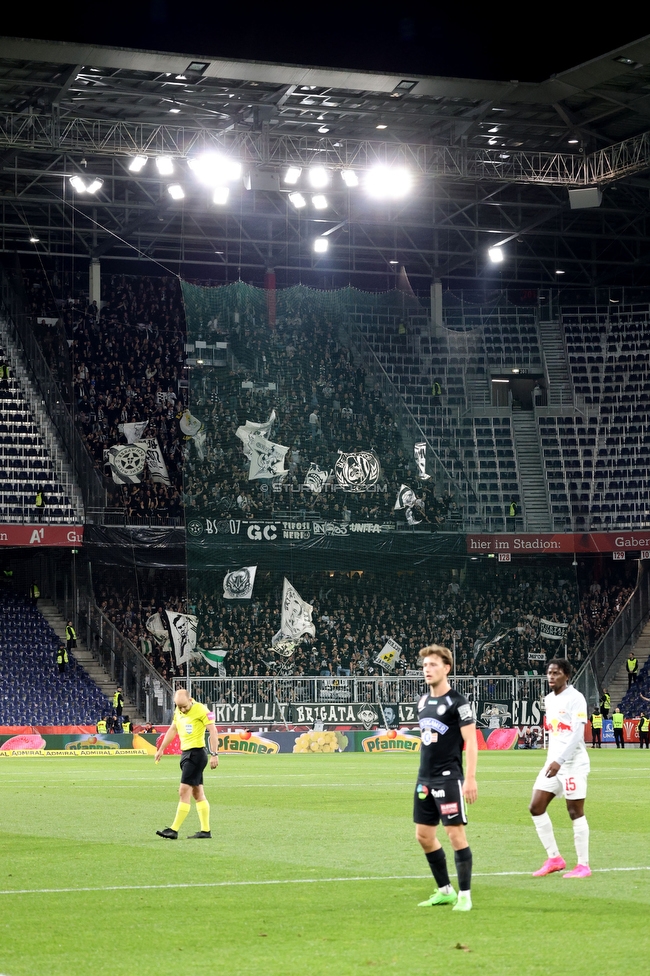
column 313, row 869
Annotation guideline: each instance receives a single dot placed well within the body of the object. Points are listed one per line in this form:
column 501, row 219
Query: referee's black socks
column 438, row 864
column 463, row 859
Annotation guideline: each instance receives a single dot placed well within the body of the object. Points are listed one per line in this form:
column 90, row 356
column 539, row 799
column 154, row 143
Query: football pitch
column 313, row 869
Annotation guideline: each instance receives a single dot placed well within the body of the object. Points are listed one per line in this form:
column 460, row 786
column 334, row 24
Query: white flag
column 405, row 498
column 238, row 585
column 133, row 432
column 316, row 478
column 552, row 629
column 193, row 428
column 267, row 458
column 357, row 471
column 283, row 646
column 126, row 463
column 155, row 461
column 389, row 655
column 245, row 432
column 215, row 657
column 296, row 613
column 410, row 516
column 420, row 454
column 182, row 628
column 158, row 629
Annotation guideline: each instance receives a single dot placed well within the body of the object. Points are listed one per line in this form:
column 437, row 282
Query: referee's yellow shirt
column 191, row 726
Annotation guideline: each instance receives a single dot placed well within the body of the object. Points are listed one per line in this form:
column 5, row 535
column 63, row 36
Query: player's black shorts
column 193, row 762
column 439, row 799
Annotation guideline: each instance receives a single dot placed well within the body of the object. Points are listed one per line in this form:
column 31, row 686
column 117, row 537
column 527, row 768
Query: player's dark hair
column 443, row 653
column 561, row 663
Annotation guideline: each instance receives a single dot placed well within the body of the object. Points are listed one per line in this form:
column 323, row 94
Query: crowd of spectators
column 123, row 363
column 355, row 613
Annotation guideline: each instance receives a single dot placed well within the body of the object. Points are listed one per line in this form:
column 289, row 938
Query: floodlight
column 349, row 177
column 388, row 182
column 292, row 175
column 214, row 169
column 318, row 177
column 298, row 200
column 495, row 255
column 319, row 201
column 321, row 244
column 220, row 195
column 137, row 163
column 176, row 191
column 81, row 186
column 323, row 129
column 165, row 165
column 35, row 240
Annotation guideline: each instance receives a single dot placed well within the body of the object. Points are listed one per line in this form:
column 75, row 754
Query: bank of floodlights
column 81, row 185
column 213, row 169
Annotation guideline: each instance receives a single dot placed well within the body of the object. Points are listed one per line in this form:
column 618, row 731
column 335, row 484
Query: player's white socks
column 581, row 839
column 544, row 829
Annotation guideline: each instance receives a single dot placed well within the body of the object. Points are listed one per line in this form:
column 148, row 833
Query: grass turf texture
column 334, row 836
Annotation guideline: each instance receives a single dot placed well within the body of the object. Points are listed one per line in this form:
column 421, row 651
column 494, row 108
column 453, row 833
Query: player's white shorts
column 569, row 782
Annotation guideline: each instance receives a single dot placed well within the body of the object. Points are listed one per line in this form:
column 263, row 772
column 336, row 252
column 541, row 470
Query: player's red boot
column 580, row 871
column 549, row 866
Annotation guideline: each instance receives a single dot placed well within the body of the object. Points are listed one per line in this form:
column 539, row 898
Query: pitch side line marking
column 282, row 881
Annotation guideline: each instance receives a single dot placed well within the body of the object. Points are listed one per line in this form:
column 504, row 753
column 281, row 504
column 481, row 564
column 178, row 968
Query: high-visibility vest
column 116, row 698
column 631, row 664
column 126, row 726
column 596, row 721
column 617, row 720
column 644, row 725
column 39, row 499
column 70, row 633
column 606, row 701
column 62, row 656
column 101, row 725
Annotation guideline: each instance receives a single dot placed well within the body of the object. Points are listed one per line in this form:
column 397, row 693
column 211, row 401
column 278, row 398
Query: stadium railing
column 605, row 660
column 373, row 689
column 127, row 666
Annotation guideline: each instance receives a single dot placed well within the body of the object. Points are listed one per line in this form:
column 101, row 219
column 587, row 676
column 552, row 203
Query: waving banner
column 133, row 432
column 267, row 459
column 316, row 478
column 296, row 613
column 405, row 498
column 214, row 657
column 155, row 461
column 245, row 432
column 126, row 463
column 420, row 454
column 357, row 471
column 389, row 655
column 193, row 429
column 238, row 585
column 552, row 629
column 182, row 628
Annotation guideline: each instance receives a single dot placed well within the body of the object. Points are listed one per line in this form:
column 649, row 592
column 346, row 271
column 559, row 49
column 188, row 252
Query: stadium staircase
column 618, row 687
column 557, row 368
column 86, row 660
column 532, row 483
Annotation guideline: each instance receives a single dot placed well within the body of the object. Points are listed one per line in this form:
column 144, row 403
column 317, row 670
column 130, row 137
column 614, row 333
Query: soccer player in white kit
column 565, row 772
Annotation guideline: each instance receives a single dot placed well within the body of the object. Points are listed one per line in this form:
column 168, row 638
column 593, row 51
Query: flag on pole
column 238, row 585
column 155, row 461
column 420, row 454
column 182, row 628
column 296, row 613
column 389, row 655
column 316, row 478
column 133, row 432
column 214, row 656
column 126, row 463
column 245, row 432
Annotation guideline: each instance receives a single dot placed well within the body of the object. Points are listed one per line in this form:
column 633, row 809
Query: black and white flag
column 238, row 585
column 389, row 655
column 357, row 471
column 316, row 478
column 411, row 515
column 296, row 613
column 157, row 627
column 552, row 630
column 126, row 463
column 194, row 429
column 133, row 432
column 406, row 498
column 245, row 432
column 284, row 646
column 155, row 461
column 182, row 629
column 420, row 454
column 267, row 458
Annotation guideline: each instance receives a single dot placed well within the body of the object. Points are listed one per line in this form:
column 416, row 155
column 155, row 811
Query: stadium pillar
column 436, row 304
column 269, row 286
column 94, row 282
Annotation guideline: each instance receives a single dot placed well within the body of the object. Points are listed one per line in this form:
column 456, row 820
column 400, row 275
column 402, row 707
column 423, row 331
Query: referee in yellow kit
column 191, row 719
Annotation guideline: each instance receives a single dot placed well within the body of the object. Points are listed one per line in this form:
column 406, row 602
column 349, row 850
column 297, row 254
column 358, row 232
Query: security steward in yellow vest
column 61, row 658
column 126, row 724
column 617, row 722
column 596, row 728
column 632, row 668
column 605, row 703
column 118, row 702
column 102, row 727
column 644, row 731
column 70, row 636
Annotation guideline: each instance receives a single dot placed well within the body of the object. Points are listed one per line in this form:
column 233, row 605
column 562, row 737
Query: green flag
column 213, row 655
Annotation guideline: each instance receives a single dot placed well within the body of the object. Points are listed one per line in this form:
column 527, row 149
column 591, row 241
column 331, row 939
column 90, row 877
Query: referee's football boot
column 439, row 898
column 200, row 835
column 168, row 833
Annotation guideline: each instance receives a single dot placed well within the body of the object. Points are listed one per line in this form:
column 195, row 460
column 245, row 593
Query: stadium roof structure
column 492, row 164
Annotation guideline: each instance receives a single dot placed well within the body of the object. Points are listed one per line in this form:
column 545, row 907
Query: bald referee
column 191, row 719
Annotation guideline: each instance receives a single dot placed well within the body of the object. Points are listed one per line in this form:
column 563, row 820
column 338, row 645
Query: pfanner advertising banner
column 36, row 536
column 530, row 544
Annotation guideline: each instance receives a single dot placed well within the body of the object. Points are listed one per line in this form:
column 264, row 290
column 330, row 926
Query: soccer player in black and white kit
column 447, row 724
column 564, row 772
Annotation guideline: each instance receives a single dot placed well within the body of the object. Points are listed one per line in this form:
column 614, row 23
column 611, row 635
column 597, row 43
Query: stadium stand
column 34, row 693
